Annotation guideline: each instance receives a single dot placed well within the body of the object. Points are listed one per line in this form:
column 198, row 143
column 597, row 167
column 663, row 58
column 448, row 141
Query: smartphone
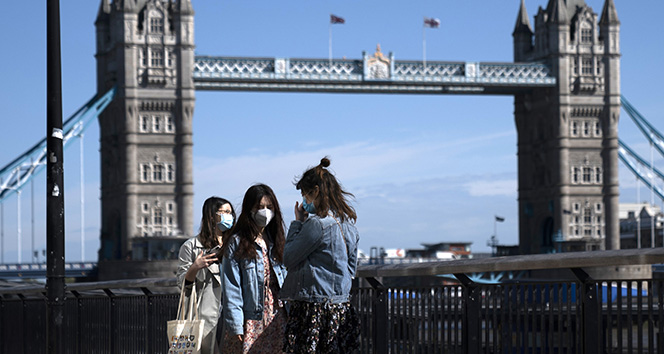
column 215, row 249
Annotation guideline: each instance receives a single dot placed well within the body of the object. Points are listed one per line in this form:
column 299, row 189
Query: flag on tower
column 431, row 22
column 500, row 219
column 336, row 19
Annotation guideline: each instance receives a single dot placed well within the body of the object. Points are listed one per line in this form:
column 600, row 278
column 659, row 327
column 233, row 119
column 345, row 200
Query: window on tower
column 586, row 35
column 575, row 128
column 169, row 124
column 587, row 216
column 157, row 25
column 171, row 59
column 145, row 172
column 587, row 66
column 158, row 217
column 575, row 175
column 587, row 173
column 157, row 57
column 170, row 173
column 158, row 173
column 156, row 121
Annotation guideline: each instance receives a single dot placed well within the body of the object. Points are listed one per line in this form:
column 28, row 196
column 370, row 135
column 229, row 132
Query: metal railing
column 580, row 315
column 584, row 315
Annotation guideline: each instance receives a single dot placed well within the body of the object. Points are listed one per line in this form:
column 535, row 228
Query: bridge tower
column 568, row 135
column 146, row 49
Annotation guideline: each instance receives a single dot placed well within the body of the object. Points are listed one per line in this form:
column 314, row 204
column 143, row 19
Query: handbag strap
column 192, row 311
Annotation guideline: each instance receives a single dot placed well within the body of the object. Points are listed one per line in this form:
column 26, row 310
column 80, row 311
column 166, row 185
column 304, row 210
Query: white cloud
column 492, row 188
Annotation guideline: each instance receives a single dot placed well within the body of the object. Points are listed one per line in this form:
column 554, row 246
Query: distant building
column 635, row 217
column 442, row 250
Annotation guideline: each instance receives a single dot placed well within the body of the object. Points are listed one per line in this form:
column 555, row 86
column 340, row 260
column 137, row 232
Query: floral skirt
column 321, row 328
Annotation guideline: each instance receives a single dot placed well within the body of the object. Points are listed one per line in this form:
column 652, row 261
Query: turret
column 523, row 35
column 184, row 7
column 558, row 12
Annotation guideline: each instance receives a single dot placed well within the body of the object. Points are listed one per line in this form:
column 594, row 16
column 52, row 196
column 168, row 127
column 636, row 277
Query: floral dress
column 265, row 335
column 321, row 327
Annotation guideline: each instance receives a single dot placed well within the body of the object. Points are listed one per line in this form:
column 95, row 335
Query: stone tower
column 568, row 135
column 146, row 49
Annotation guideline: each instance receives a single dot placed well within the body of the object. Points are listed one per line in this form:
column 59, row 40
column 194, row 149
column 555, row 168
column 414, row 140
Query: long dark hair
column 247, row 229
column 331, row 195
column 207, row 234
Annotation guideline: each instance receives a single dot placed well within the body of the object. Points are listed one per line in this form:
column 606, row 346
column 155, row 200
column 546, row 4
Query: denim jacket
column 320, row 266
column 244, row 293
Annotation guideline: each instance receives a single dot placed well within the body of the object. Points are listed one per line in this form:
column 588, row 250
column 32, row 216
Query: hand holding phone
column 214, row 249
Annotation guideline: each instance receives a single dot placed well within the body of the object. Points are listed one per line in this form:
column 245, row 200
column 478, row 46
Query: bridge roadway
column 38, row 270
column 371, row 74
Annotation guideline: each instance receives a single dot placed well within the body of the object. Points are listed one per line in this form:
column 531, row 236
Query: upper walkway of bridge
column 371, row 74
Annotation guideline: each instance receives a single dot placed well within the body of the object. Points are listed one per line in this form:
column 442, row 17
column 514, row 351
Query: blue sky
column 423, row 168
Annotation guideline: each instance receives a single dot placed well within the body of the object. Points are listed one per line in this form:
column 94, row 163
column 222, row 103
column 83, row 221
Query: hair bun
column 325, row 162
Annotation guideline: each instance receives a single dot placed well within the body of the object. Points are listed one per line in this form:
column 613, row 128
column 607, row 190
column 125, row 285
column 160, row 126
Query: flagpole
column 424, row 48
column 495, row 228
column 330, row 42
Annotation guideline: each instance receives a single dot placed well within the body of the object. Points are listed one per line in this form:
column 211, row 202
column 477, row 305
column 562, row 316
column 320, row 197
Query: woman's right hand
column 204, row 260
column 239, row 337
column 300, row 214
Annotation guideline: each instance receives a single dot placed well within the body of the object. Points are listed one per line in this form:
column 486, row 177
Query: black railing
column 398, row 314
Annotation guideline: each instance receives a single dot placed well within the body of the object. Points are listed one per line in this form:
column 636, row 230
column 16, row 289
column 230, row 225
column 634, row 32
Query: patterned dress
column 321, row 327
column 265, row 335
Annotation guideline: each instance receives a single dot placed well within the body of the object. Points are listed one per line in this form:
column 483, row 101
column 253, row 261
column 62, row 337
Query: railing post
column 380, row 329
column 148, row 321
column 113, row 330
column 591, row 334
column 471, row 318
column 79, row 326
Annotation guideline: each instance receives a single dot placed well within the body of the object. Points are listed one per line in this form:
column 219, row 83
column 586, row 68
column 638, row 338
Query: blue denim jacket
column 320, row 267
column 244, row 292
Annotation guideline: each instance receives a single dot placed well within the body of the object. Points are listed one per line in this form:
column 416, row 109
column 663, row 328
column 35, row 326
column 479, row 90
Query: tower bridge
column 565, row 79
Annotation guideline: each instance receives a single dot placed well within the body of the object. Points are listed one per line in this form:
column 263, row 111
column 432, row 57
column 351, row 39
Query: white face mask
column 263, row 217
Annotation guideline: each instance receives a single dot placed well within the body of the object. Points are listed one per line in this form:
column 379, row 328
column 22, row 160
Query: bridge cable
column 15, row 174
column 643, row 170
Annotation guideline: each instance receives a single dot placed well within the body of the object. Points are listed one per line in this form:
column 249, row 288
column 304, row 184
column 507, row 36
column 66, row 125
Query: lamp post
column 55, row 206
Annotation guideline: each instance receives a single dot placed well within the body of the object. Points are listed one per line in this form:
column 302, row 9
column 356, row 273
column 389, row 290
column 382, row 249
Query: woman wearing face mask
column 253, row 275
column 321, row 257
column 199, row 266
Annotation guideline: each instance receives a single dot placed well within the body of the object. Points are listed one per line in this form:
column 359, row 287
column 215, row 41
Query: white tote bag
column 186, row 331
